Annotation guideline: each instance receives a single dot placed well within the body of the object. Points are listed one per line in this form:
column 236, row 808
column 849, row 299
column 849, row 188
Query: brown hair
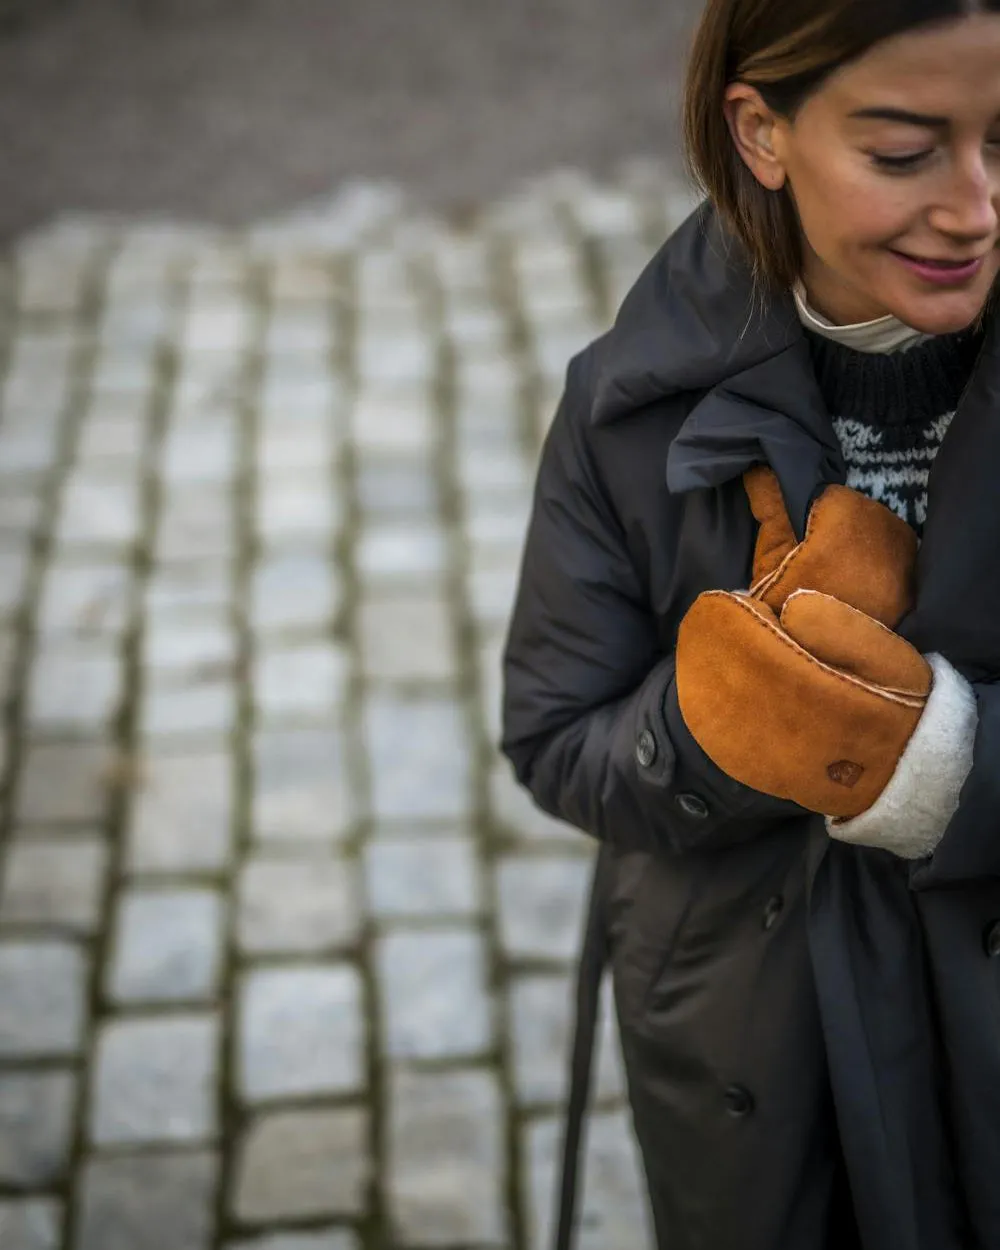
column 786, row 49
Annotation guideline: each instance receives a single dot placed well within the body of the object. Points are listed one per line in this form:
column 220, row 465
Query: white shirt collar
column 883, row 335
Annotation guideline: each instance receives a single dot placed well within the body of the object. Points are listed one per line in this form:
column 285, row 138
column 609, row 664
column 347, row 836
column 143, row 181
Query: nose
column 969, row 209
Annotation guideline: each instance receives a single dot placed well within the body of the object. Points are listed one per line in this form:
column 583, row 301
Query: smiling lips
column 943, row 272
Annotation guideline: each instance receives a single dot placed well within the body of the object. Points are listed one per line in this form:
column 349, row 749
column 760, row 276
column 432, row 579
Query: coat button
column 991, row 941
column 645, row 749
column 772, row 910
column 739, row 1101
column 692, row 805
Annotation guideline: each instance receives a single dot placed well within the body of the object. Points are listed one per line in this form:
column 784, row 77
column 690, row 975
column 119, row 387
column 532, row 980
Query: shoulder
column 612, row 457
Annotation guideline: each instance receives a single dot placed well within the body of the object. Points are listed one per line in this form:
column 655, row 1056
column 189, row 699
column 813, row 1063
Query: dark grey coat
column 763, row 974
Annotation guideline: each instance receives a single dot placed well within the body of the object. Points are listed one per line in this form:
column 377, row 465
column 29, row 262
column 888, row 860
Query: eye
column 900, row 164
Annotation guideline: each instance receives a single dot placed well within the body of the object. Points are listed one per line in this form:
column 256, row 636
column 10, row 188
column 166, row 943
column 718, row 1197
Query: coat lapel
column 772, row 413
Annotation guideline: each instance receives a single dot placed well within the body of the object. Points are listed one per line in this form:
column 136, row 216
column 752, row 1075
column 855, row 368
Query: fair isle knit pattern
column 896, row 478
column 891, row 413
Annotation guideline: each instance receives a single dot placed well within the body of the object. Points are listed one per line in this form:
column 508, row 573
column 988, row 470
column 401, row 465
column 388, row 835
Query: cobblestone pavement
column 284, row 954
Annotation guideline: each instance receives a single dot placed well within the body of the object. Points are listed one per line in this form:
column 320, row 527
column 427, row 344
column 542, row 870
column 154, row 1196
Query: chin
column 944, row 313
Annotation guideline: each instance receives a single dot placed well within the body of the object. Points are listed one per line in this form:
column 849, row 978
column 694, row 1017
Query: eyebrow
column 904, row 116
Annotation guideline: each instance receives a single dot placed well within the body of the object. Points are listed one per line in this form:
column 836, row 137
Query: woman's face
column 894, row 167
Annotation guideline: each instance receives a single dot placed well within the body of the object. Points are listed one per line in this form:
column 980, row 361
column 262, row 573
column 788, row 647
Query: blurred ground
column 285, row 955
column 227, row 109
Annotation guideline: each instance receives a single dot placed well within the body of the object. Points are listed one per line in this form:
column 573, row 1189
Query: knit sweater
column 892, row 411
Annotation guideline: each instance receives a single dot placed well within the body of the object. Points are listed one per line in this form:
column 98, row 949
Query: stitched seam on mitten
column 773, row 578
column 915, row 701
column 804, row 592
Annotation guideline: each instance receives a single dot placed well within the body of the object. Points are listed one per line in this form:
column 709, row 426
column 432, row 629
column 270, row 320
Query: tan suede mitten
column 855, row 549
column 815, row 705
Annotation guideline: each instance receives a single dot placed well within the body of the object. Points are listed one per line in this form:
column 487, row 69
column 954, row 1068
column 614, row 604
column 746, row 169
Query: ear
column 753, row 127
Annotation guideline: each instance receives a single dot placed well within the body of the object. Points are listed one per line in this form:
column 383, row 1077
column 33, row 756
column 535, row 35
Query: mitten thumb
column 844, row 638
column 776, row 538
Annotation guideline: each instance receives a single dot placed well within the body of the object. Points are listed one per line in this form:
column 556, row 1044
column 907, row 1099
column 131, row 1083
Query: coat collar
column 695, row 325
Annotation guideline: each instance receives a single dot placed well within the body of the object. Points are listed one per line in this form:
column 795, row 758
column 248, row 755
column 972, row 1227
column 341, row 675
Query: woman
column 797, row 785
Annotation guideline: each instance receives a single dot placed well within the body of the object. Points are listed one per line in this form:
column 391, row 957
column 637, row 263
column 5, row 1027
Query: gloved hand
column 816, row 705
column 855, row 549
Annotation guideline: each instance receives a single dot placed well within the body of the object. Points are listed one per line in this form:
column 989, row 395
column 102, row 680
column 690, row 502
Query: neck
column 883, row 334
column 832, row 298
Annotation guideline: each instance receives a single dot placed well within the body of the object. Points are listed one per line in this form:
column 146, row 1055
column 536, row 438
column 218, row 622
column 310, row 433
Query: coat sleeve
column 970, row 847
column 591, row 723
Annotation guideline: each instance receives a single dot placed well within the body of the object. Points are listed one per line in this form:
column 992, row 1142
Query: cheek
column 844, row 207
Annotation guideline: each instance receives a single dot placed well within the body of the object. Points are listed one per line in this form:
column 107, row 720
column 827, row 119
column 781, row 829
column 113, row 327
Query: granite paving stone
column 181, row 814
column 284, row 450
column 491, row 592
column 154, row 1080
column 113, row 438
column 296, row 506
column 322, row 1054
column 402, row 553
column 411, row 359
column 446, row 1173
column 21, row 503
column 100, row 511
column 489, row 641
column 122, row 369
column 300, row 398
column 301, row 788
column 304, row 333
column 187, row 705
column 302, row 1164
column 395, row 420
column 36, row 1110
column 64, row 782
column 54, row 881
column 420, row 759
column 203, row 645
column 306, row 681
column 612, row 1197
column 196, row 452
column 186, row 585
column 308, row 904
column 222, row 326
column 30, row 1223
column 413, row 877
column 493, row 472
column 196, row 523
column 74, row 688
column 541, row 1023
column 167, row 946
column 327, row 1239
column 393, row 485
column 153, row 1201
column 207, row 388
column 294, row 590
column 435, row 996
column 407, row 638
column 84, row 599
column 26, row 449
column 43, row 989
column 541, row 905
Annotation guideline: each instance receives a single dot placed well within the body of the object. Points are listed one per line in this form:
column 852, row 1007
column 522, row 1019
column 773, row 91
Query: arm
column 590, row 714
